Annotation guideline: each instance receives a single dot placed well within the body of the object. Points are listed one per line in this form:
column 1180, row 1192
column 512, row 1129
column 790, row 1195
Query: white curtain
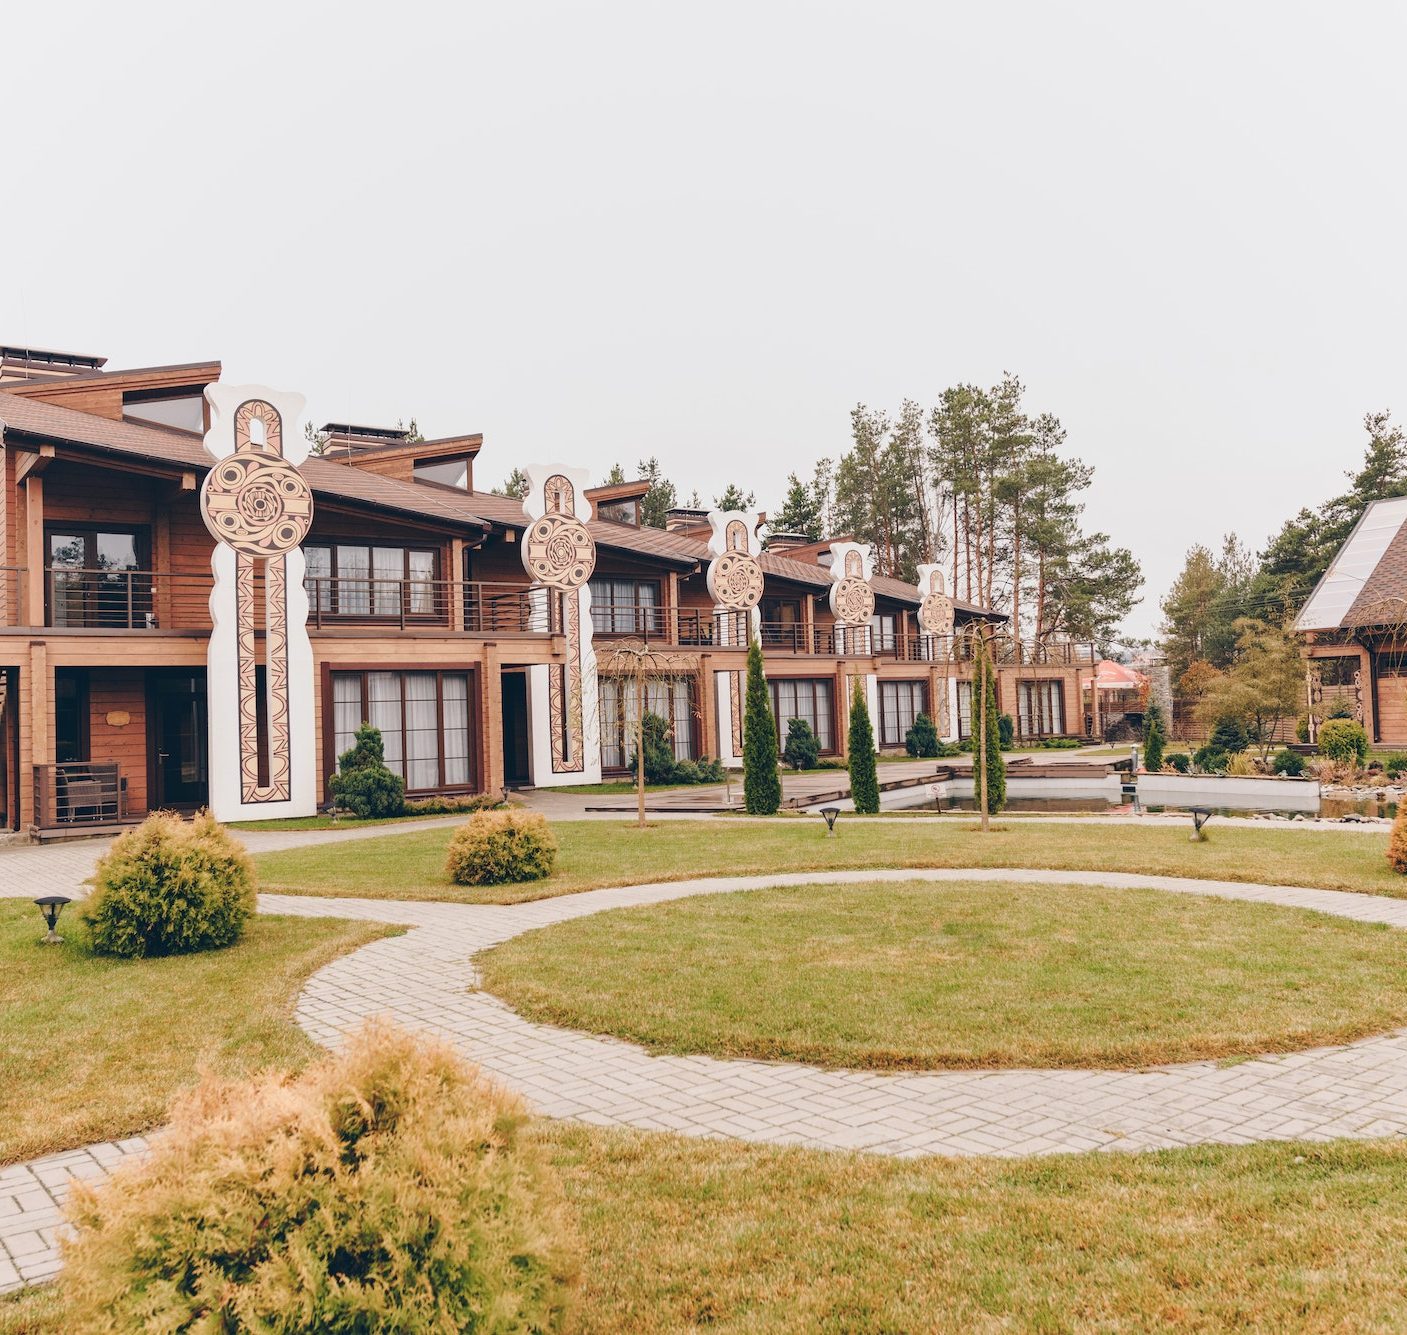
column 456, row 709
column 346, row 709
column 388, row 567
column 422, row 731
column 383, row 690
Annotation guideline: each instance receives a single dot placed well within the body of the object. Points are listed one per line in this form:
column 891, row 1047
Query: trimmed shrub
column 170, row 888
column 391, row 1187
column 1211, row 760
column 921, row 741
column 1397, row 841
column 1395, row 764
column 499, row 847
column 1006, row 731
column 1341, row 709
column 363, row 785
column 450, row 804
column 1178, row 761
column 1155, row 738
column 762, row 785
column 1343, row 741
column 803, row 748
column 1288, row 762
column 1302, row 728
column 1229, row 735
column 1061, row 744
column 659, row 752
column 864, row 778
column 710, row 770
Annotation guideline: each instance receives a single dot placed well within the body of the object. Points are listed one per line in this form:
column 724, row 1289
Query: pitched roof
column 180, row 449
column 1368, row 573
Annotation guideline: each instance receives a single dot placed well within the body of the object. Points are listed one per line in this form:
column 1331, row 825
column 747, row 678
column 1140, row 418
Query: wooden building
column 421, row 618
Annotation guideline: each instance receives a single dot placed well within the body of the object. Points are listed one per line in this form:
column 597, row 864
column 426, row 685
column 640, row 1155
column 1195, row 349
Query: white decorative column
column 259, row 508
column 564, row 721
column 935, row 619
column 735, row 583
column 852, row 605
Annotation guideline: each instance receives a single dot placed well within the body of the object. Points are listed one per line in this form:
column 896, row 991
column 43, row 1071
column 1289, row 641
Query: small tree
column 921, row 741
column 762, row 785
column 659, row 753
column 803, row 748
column 864, row 781
column 1154, row 738
column 1261, row 688
column 989, row 769
column 1397, row 841
column 363, row 784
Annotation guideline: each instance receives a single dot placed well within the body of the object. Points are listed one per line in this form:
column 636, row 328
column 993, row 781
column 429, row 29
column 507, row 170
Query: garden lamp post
column 830, row 813
column 51, row 906
column 1200, row 816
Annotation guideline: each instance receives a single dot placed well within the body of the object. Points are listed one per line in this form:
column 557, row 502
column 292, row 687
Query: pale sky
column 601, row 232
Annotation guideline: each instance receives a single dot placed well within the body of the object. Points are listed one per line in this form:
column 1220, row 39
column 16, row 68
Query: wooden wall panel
column 118, row 692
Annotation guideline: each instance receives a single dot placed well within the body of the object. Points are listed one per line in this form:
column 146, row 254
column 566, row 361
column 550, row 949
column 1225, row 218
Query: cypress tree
column 864, row 781
column 984, row 700
column 762, row 784
column 1154, row 738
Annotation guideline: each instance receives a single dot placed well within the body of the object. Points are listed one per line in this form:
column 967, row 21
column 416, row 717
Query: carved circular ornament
column 852, row 601
column 559, row 551
column 737, row 580
column 935, row 614
column 258, row 504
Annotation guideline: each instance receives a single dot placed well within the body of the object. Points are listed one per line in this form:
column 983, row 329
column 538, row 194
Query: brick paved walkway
column 424, row 980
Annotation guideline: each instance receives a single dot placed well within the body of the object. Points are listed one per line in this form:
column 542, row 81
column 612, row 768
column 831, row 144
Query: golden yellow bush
column 392, row 1187
column 496, row 847
column 1397, row 841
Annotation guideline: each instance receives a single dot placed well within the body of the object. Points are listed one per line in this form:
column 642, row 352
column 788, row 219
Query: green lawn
column 928, row 976
column 596, row 853
column 92, row 1049
column 679, row 1235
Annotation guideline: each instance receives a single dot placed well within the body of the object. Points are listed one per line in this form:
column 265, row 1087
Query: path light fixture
column 830, row 813
column 51, row 906
column 1200, row 816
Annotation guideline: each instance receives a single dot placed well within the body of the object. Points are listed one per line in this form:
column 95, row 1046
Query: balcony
column 137, row 600
column 1006, row 651
column 684, row 627
column 78, row 794
column 794, row 637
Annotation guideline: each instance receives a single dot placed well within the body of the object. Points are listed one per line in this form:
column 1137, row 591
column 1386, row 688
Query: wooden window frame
column 476, row 753
column 333, row 613
column 923, row 703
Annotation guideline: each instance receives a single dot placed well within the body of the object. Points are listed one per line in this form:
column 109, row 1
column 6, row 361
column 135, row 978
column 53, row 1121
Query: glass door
column 179, row 732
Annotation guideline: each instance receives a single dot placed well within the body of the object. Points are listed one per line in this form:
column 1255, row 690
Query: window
column 1040, row 708
column 882, row 632
column 185, row 411
column 805, row 698
column 619, row 512
column 964, row 709
column 354, row 580
column 424, row 721
column 672, row 698
column 781, row 624
column 625, row 606
column 446, row 472
column 70, row 715
column 96, row 577
column 900, row 702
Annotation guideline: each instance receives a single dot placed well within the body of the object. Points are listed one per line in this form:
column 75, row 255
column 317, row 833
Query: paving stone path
column 424, row 979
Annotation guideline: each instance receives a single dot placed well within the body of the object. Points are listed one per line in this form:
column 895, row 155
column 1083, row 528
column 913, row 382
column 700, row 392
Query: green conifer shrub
column 363, row 785
column 1155, row 738
column 864, row 779
column 921, row 741
column 803, row 748
column 762, row 785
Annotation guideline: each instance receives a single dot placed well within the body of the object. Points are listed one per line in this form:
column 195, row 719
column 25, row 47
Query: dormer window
column 446, row 472
column 182, row 409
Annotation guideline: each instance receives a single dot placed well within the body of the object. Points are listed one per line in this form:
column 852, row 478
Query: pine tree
column 762, row 784
column 864, row 781
column 1154, row 738
column 985, row 716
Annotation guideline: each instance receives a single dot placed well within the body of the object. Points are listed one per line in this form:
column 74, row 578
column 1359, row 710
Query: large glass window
column 447, row 472
column 625, row 606
column 964, row 709
column 357, row 580
column 96, row 577
column 424, row 719
column 185, row 411
column 1040, row 708
column 900, row 703
column 882, row 632
column 672, row 698
column 809, row 698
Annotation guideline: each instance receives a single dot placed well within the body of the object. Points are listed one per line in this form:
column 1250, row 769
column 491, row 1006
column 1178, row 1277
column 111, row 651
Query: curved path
column 424, row 979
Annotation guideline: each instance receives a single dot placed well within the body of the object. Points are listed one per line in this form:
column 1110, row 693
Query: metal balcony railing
column 87, row 792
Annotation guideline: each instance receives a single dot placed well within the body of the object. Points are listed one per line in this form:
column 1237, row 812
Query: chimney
column 20, row 363
column 345, row 438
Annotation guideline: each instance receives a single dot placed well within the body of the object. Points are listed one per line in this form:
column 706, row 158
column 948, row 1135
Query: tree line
column 977, row 482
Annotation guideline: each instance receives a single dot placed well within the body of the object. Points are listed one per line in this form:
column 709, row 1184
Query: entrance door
column 178, row 738
column 516, row 769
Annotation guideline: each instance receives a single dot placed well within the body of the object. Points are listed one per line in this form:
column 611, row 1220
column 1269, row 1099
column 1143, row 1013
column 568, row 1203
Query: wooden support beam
column 32, row 465
column 34, row 553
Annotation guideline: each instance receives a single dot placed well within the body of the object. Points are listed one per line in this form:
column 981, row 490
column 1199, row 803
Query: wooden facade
column 106, row 576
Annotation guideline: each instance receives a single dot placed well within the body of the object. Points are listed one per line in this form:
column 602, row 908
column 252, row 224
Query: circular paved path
column 424, row 979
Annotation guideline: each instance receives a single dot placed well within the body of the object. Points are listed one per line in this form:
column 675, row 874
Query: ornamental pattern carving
column 735, row 576
column 257, row 503
column 851, row 598
column 935, row 613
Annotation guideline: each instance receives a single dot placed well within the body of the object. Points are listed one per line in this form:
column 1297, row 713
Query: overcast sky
column 705, row 232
